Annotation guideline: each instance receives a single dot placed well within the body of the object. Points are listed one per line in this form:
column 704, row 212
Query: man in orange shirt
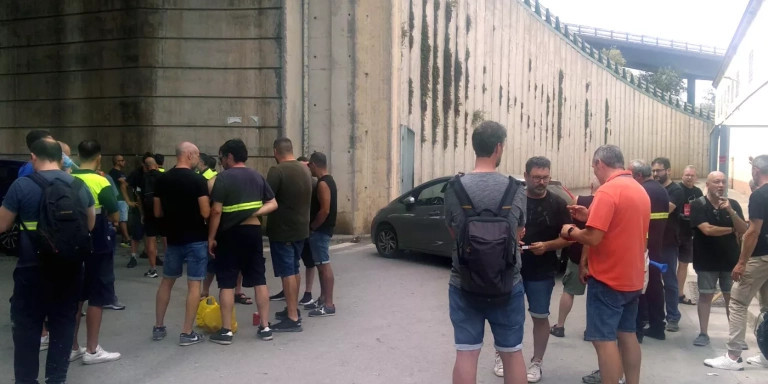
column 617, row 225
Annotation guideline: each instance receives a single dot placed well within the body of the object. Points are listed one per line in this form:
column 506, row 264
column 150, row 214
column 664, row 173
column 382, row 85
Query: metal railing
column 643, row 39
column 620, row 72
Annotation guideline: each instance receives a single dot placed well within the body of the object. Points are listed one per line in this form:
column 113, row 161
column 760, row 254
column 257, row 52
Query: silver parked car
column 415, row 220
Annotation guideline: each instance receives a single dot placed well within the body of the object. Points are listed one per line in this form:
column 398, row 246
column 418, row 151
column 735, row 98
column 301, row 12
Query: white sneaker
column 758, row 360
column 534, row 372
column 100, row 356
column 44, row 342
column 724, row 362
column 498, row 367
column 76, row 354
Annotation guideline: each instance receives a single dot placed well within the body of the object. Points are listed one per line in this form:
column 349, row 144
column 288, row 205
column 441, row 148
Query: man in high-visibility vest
column 35, row 296
column 99, row 278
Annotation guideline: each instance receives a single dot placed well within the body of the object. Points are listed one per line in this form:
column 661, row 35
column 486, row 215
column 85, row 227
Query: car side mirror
column 409, row 201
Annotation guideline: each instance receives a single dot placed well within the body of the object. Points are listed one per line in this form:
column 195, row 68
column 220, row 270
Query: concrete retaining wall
column 463, row 61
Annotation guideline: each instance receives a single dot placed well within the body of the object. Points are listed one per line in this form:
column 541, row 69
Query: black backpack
column 486, row 247
column 62, row 237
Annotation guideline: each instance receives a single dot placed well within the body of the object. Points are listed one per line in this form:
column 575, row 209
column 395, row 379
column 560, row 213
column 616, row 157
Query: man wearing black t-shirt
column 546, row 215
column 671, row 243
column 750, row 272
column 181, row 199
column 691, row 193
column 717, row 224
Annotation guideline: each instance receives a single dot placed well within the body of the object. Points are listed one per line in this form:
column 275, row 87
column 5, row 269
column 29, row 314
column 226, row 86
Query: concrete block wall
column 143, row 75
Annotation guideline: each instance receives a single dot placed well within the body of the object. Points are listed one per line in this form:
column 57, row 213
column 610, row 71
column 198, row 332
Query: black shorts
column 151, row 226
column 685, row 250
column 99, row 279
column 240, row 250
column 306, row 255
column 135, row 227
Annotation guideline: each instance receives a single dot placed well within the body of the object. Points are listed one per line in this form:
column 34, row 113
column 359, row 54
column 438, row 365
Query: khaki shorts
column 571, row 283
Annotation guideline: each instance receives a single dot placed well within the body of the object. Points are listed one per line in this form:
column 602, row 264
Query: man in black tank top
column 322, row 222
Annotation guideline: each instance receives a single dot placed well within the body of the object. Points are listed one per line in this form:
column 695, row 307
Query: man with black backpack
column 485, row 211
column 52, row 246
column 99, row 276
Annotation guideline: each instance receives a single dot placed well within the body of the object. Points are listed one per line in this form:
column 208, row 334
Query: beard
column 663, row 179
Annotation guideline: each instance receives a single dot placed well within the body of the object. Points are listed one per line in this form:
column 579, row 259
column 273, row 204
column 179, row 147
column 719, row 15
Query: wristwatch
column 570, row 230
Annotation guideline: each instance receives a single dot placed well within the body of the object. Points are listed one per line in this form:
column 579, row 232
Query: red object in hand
column 256, row 319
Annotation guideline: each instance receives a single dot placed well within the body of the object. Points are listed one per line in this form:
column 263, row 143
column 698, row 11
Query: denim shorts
column 320, row 244
column 285, row 257
column 707, row 281
column 609, row 311
column 122, row 207
column 468, row 314
column 194, row 254
column 539, row 294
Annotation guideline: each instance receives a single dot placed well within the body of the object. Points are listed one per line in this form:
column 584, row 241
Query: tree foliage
column 666, row 79
column 615, row 55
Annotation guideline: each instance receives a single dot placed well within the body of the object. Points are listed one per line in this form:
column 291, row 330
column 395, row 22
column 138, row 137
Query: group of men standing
column 211, row 222
column 634, row 216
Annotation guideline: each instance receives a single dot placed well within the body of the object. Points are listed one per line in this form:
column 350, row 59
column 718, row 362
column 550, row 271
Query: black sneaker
column 323, row 311
column 143, row 255
column 158, row 262
column 223, row 337
column 191, row 338
column 314, row 305
column 278, row 297
column 151, row 273
column 282, row 315
column 307, row 299
column 132, row 263
column 265, row 333
column 158, row 333
column 287, row 325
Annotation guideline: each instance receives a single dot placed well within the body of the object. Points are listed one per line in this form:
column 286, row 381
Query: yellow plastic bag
column 209, row 315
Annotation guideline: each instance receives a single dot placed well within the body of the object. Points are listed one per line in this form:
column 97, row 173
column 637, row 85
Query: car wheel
column 9, row 240
column 386, row 241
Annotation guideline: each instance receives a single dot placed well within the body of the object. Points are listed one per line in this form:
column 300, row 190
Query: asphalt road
column 391, row 326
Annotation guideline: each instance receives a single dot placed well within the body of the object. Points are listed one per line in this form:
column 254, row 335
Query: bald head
column 716, row 184
column 65, row 148
column 187, row 155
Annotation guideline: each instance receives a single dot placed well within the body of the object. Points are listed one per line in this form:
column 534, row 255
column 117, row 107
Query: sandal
column 241, row 298
column 685, row 300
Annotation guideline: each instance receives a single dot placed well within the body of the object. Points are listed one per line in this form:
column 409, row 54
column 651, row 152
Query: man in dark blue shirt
column 34, row 297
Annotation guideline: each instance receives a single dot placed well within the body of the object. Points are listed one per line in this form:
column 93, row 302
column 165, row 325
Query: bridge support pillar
column 691, row 90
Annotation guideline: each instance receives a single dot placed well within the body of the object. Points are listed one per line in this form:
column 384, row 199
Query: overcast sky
column 706, row 22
